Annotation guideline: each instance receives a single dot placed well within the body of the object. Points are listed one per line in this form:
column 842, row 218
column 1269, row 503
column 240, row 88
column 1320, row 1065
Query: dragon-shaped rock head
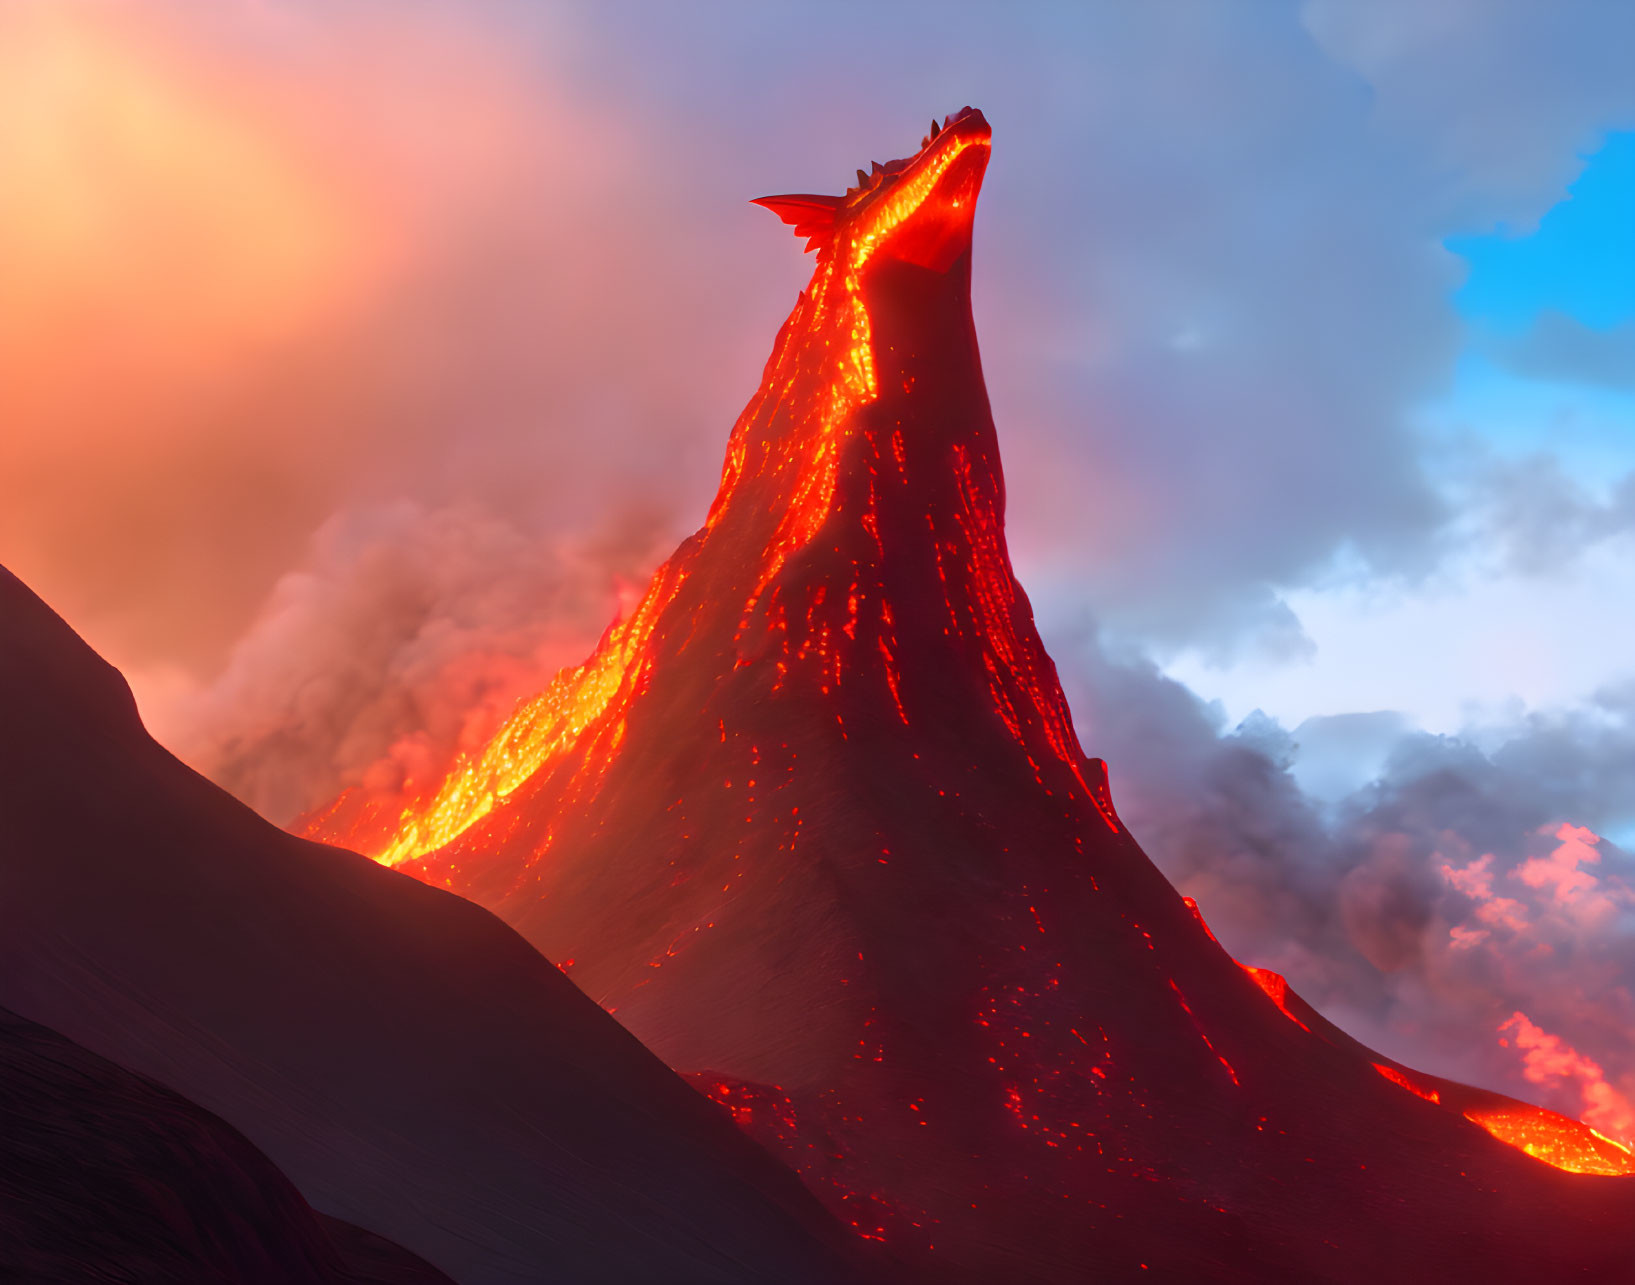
column 917, row 209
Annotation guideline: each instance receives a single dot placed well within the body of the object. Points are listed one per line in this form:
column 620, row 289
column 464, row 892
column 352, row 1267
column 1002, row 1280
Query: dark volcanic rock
column 107, row 1176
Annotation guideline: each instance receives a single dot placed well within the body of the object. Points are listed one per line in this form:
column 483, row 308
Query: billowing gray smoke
column 1467, row 882
column 408, row 636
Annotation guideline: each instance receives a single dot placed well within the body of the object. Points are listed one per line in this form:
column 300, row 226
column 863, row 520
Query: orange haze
column 265, row 263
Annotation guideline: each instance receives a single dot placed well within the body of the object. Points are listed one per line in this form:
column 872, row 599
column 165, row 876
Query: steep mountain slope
column 107, row 1176
column 815, row 823
column 407, row 1060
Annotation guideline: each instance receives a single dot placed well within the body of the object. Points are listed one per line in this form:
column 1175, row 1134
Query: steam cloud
column 407, row 637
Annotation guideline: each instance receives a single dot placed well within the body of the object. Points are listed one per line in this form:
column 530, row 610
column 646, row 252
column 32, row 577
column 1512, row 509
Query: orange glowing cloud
column 134, row 174
column 171, row 241
column 268, row 267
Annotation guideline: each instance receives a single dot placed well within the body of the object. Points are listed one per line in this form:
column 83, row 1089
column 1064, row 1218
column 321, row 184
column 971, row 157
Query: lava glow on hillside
column 814, row 822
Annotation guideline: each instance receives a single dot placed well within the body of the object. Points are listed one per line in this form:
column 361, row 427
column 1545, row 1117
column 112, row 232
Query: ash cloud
column 269, row 265
column 1463, row 911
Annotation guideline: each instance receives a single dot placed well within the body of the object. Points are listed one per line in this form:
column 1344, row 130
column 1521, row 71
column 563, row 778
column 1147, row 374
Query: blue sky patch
column 1580, row 261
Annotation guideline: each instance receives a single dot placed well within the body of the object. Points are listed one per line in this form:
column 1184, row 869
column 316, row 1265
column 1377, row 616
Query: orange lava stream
column 1407, row 1082
column 540, row 729
column 1276, row 988
column 1555, row 1139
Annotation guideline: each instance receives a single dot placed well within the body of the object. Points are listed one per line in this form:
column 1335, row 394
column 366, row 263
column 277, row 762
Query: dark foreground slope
column 816, row 823
column 107, row 1176
column 407, row 1060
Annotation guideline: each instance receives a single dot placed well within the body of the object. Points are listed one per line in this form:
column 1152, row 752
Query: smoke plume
column 1462, row 910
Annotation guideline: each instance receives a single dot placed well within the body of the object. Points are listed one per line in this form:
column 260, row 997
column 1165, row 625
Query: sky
column 1541, row 399
column 359, row 359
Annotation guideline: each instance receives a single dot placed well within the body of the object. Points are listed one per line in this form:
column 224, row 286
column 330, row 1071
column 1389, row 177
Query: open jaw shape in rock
column 814, row 815
column 408, row 1061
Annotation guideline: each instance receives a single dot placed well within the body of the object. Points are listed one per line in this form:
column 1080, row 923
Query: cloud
column 1340, row 753
column 1466, row 881
column 1503, row 98
column 1561, row 871
column 406, row 636
column 1559, row 347
column 1548, row 1060
column 269, row 263
column 1531, row 517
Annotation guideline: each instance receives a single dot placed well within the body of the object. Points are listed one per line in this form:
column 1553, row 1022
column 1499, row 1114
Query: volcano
column 815, row 823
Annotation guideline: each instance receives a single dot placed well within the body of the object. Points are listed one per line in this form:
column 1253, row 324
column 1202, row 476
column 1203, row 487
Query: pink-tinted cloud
column 1569, row 891
column 1420, row 911
column 1476, row 882
column 1561, row 871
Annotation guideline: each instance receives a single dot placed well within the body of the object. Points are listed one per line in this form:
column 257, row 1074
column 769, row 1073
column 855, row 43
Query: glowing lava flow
column 1408, row 1082
column 1277, row 990
column 1554, row 1139
column 577, row 699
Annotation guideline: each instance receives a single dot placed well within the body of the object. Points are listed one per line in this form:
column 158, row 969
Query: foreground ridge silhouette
column 106, row 1176
column 814, row 822
column 405, row 1059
